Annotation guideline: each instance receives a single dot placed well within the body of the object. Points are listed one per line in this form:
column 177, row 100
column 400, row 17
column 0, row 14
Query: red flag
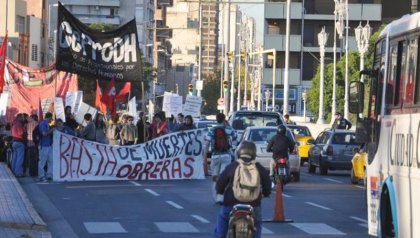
column 109, row 98
column 3, row 50
column 40, row 113
column 126, row 89
column 98, row 101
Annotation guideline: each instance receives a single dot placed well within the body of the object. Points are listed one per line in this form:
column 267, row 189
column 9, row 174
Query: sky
column 257, row 12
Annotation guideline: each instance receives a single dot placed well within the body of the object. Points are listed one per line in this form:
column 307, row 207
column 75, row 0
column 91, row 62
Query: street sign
column 221, row 102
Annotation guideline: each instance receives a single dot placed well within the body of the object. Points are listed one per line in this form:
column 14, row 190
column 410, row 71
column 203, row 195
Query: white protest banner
column 132, row 109
column 78, row 100
column 166, row 105
column 59, row 108
column 172, row 104
column 45, row 105
column 4, row 102
column 173, row 156
column 192, row 106
column 70, row 99
column 83, row 109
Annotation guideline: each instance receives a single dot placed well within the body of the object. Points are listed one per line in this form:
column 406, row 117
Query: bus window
column 393, row 55
column 417, row 80
column 411, row 71
column 397, row 74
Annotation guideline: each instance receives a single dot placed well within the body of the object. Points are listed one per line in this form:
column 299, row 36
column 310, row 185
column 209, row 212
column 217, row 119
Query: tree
column 354, row 60
column 211, row 91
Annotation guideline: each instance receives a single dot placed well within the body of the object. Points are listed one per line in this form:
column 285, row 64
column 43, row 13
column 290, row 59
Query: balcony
column 294, row 76
column 91, row 19
column 279, row 42
column 278, row 10
column 107, row 3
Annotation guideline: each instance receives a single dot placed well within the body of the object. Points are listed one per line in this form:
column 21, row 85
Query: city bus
column 389, row 100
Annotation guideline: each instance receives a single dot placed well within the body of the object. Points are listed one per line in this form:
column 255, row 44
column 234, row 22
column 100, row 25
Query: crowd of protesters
column 31, row 140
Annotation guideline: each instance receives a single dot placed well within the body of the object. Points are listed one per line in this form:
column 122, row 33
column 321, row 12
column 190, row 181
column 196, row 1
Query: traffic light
column 190, row 88
column 225, row 84
column 230, row 55
column 243, row 55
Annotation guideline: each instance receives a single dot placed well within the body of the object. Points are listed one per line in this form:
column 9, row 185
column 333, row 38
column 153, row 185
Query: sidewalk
column 18, row 218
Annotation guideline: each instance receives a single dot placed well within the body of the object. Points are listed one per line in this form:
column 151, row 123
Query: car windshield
column 241, row 122
column 300, row 130
column 266, row 134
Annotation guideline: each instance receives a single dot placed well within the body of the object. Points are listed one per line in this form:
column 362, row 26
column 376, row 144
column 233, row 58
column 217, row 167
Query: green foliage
column 211, row 92
column 354, row 61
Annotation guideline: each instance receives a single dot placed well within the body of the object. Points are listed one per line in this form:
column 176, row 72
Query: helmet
column 247, row 150
column 281, row 130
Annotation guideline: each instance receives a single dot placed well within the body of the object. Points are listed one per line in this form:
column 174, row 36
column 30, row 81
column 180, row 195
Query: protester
column 221, row 138
column 128, row 133
column 141, row 129
column 59, row 126
column 159, row 126
column 341, row 123
column 31, row 145
column 100, row 129
column 45, row 148
column 88, row 133
column 70, row 121
column 113, row 131
column 18, row 133
column 188, row 124
column 172, row 125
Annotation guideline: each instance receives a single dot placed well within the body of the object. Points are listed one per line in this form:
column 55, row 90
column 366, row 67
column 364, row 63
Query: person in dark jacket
column 188, row 124
column 281, row 146
column 246, row 152
column 70, row 121
column 341, row 123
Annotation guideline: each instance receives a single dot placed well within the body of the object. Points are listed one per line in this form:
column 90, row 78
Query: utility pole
column 200, row 47
column 227, row 49
column 155, row 61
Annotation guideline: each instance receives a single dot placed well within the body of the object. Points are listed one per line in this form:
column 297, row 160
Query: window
column 411, row 71
column 34, row 50
column 20, row 24
column 396, row 74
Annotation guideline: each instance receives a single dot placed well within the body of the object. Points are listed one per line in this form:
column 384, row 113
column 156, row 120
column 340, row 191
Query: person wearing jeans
column 18, row 133
column 45, row 149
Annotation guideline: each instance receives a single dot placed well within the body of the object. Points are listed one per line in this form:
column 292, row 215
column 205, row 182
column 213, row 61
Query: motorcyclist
column 246, row 152
column 281, row 146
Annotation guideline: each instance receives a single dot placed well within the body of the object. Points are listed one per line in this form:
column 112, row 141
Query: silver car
column 260, row 135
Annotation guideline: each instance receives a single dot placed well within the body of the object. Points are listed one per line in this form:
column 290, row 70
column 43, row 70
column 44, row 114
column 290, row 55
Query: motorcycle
column 281, row 171
column 241, row 221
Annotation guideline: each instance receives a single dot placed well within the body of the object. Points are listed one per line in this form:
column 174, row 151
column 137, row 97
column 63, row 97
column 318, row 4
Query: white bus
column 390, row 98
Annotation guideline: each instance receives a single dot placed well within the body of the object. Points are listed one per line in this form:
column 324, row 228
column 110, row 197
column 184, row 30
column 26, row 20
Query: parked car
column 240, row 120
column 358, row 169
column 260, row 135
column 332, row 150
column 305, row 139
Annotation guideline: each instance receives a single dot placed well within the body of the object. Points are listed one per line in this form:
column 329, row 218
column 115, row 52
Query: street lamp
column 362, row 39
column 322, row 41
column 51, row 39
column 267, row 95
column 304, row 98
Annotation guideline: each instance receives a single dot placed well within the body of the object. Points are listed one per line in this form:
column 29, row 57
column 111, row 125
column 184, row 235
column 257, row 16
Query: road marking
column 101, row 186
column 151, row 192
column 266, row 231
column 317, row 229
column 135, row 183
column 285, row 195
column 333, row 180
column 358, row 186
column 364, row 225
column 176, row 227
column 202, row 219
column 174, row 205
column 104, row 227
column 66, row 198
column 358, row 219
column 317, row 205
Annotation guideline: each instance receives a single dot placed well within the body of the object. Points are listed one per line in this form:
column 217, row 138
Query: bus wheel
column 387, row 226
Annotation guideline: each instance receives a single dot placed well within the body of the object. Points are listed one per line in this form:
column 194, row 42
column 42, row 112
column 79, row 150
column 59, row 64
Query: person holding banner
column 113, row 131
column 88, row 132
column 188, row 124
column 45, row 149
column 159, row 126
column 70, row 121
column 59, row 126
column 100, row 126
column 129, row 134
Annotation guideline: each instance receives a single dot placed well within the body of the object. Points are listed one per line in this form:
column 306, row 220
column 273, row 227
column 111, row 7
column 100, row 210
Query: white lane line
column 100, row 186
column 317, row 229
column 266, row 231
column 286, row 196
column 317, row 205
column 151, row 192
column 135, row 183
column 174, row 205
column 364, row 225
column 202, row 219
column 358, row 186
column 359, row 219
column 333, row 180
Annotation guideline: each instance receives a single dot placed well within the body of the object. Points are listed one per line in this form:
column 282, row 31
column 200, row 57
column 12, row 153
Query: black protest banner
column 96, row 54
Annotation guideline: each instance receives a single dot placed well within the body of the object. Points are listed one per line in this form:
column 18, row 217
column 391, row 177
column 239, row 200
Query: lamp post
column 267, row 95
column 362, row 39
column 304, row 98
column 51, row 39
column 322, row 41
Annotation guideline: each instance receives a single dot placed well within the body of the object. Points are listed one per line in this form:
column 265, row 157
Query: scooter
column 281, row 171
column 241, row 221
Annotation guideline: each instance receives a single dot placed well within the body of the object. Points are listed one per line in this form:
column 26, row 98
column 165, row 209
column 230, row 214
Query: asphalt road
column 320, row 206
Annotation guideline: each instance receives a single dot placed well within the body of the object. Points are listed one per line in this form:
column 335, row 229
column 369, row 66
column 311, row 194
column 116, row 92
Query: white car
column 260, row 136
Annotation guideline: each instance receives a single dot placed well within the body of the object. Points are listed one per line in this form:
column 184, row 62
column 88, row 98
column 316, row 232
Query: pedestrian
column 70, row 121
column 159, row 126
column 88, row 132
column 172, row 125
column 61, row 127
column 341, row 123
column 18, row 133
column 179, row 121
column 31, row 146
column 113, row 131
column 45, row 149
column 188, row 124
column 128, row 133
column 141, row 129
column 287, row 120
column 100, row 125
column 221, row 138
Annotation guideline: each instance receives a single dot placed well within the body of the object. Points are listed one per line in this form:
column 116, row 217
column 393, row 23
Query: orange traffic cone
column 278, row 206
